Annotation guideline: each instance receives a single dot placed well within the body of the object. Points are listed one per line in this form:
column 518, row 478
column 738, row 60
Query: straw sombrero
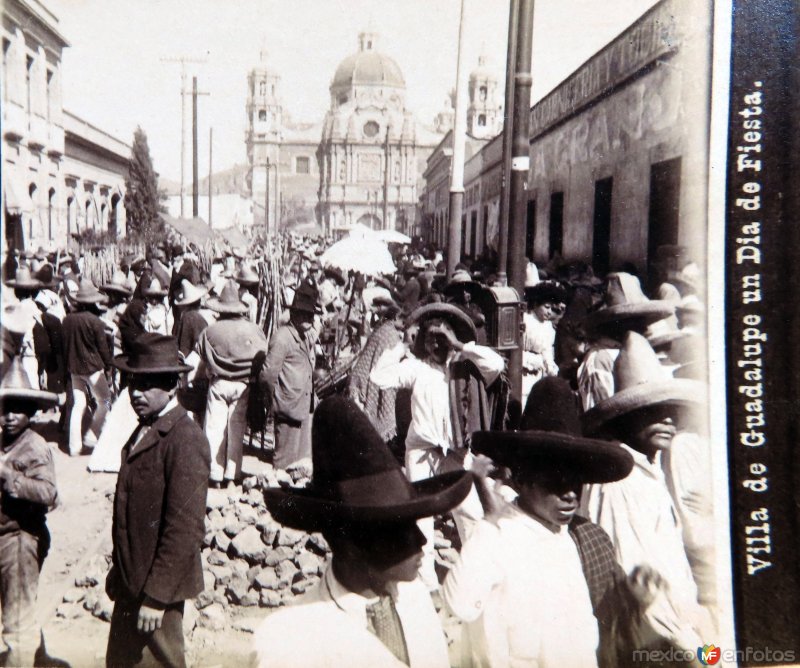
column 189, row 293
column 119, row 284
column 357, row 479
column 247, row 276
column 88, row 294
column 460, row 282
column 154, row 289
column 24, row 280
column 640, row 381
column 626, row 308
column 16, row 384
column 228, row 300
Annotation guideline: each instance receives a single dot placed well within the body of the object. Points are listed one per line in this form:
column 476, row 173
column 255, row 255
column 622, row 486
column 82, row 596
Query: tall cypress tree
column 142, row 197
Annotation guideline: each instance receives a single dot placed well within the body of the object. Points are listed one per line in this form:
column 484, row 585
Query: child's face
column 13, row 423
column 550, row 311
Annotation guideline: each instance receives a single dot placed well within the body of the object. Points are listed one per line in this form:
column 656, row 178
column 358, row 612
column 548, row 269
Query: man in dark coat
column 159, row 512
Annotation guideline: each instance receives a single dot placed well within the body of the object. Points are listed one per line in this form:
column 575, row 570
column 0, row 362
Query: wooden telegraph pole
column 520, row 163
column 195, row 169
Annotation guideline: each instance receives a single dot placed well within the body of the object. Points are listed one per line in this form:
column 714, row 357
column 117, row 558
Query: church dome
column 368, row 67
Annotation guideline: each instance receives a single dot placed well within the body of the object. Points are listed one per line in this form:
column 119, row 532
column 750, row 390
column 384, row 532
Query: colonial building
column 618, row 153
column 61, row 175
column 361, row 164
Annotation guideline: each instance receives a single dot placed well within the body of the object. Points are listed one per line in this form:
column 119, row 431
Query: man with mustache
column 159, row 512
column 638, row 512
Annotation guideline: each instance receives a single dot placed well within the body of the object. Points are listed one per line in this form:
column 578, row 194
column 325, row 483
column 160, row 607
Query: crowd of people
column 585, row 527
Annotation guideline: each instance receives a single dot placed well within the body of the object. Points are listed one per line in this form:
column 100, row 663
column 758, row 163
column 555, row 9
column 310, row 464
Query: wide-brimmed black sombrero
column 550, row 440
column 357, row 479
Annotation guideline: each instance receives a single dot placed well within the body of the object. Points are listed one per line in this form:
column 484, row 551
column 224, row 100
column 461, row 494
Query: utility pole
column 210, row 149
column 184, row 93
column 508, row 133
column 457, row 165
column 195, row 171
column 520, row 164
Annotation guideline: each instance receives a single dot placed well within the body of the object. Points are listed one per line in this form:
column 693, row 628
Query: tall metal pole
column 520, row 163
column 386, row 180
column 210, row 150
column 457, row 165
column 195, row 171
column 508, row 133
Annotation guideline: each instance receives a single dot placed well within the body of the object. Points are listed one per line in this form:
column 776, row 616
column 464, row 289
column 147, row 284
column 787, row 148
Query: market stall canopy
column 16, row 199
column 393, row 237
column 233, row 235
column 194, row 230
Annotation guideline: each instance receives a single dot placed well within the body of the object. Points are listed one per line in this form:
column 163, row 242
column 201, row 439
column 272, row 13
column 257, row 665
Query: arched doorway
column 32, row 193
column 370, row 220
column 112, row 216
column 51, row 212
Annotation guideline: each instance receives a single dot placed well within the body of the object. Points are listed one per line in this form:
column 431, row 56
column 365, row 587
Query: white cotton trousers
column 226, row 420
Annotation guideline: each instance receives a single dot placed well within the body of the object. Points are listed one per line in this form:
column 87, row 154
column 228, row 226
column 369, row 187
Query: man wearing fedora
column 226, row 350
column 369, row 608
column 447, row 373
column 27, row 492
column 89, row 361
column 159, row 513
column 288, row 373
column 638, row 512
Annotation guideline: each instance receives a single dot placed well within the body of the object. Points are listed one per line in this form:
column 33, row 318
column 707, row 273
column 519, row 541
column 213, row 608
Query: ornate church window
column 371, row 129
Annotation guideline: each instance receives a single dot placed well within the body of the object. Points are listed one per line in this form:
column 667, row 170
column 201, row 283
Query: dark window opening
column 262, row 114
column 664, row 209
column 482, row 120
column 601, row 241
column 530, row 228
column 303, row 165
column 556, row 231
column 473, row 235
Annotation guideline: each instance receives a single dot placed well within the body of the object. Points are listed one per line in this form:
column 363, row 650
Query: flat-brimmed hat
column 24, row 280
column 189, row 293
column 88, row 294
column 335, row 274
column 357, row 479
column 550, row 439
column 16, row 384
column 228, row 300
column 154, row 289
column 640, row 381
column 119, row 284
column 546, row 291
column 152, row 353
column 626, row 308
column 306, row 298
column 462, row 324
column 247, row 276
column 461, row 281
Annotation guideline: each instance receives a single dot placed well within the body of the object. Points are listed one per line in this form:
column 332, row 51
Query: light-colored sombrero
column 639, row 381
column 228, row 300
column 154, row 289
column 24, row 279
column 627, row 308
column 247, row 276
column 88, row 294
column 189, row 293
column 119, row 284
column 17, row 385
column 664, row 332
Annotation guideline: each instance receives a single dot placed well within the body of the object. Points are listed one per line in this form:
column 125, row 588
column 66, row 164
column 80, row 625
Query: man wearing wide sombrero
column 535, row 583
column 369, row 609
column 625, row 309
column 27, row 492
column 89, row 361
column 159, row 512
column 447, row 373
column 638, row 512
column 226, row 350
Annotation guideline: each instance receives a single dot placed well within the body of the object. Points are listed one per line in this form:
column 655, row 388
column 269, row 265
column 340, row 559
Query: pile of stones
column 249, row 559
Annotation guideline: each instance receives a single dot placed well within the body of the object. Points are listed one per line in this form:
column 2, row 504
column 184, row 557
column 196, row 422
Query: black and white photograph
column 427, row 333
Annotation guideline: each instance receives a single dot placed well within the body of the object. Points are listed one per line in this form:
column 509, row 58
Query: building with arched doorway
column 61, row 175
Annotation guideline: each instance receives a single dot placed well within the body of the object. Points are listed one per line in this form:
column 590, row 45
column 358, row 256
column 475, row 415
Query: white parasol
column 393, row 237
column 366, row 255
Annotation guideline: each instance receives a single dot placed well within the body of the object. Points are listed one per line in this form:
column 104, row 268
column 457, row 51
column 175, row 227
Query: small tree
column 142, row 197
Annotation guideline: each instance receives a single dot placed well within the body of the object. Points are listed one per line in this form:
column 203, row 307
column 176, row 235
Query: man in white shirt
column 639, row 513
column 370, row 608
column 447, row 374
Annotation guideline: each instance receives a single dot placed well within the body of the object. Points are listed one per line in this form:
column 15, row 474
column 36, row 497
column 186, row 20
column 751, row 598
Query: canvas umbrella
column 365, row 255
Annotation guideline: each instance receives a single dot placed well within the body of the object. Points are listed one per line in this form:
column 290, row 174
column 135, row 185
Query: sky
column 114, row 74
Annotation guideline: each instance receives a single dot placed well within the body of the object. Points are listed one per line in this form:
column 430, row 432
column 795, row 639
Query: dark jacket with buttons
column 159, row 512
